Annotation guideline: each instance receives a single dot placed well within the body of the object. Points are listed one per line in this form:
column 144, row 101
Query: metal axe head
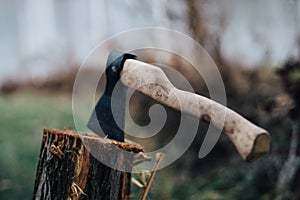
column 102, row 120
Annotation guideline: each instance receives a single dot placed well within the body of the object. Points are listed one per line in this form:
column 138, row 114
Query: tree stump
column 67, row 169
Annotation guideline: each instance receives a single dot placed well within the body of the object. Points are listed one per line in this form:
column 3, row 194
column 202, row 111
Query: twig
column 158, row 161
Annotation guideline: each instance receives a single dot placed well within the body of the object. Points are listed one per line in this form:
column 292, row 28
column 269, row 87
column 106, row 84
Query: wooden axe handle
column 250, row 140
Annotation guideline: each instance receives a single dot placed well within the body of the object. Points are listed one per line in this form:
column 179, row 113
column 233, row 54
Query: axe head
column 103, row 120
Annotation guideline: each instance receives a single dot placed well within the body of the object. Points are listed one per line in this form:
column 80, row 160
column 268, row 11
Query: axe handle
column 250, row 140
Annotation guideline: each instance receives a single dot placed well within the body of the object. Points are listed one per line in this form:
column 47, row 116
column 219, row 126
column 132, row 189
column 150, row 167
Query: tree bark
column 67, row 169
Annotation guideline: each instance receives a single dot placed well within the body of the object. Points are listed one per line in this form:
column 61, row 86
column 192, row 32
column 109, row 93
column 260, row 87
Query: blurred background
column 255, row 44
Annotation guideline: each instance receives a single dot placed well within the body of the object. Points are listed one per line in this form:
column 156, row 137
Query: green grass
column 23, row 117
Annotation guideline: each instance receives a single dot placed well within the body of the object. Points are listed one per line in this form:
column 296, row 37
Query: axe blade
column 102, row 120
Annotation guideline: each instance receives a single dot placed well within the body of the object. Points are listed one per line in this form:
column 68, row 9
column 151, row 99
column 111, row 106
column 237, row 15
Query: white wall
column 39, row 37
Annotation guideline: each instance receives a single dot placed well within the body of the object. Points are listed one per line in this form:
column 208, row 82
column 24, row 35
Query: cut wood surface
column 67, row 170
column 250, row 140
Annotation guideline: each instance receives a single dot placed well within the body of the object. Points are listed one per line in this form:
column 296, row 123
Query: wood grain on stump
column 67, row 169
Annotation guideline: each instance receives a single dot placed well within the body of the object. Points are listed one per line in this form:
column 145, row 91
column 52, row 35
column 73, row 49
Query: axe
column 250, row 140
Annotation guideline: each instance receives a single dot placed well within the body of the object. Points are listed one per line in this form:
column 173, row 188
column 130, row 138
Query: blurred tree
column 286, row 183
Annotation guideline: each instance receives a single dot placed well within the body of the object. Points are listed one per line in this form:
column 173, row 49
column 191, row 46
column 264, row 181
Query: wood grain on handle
column 250, row 140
